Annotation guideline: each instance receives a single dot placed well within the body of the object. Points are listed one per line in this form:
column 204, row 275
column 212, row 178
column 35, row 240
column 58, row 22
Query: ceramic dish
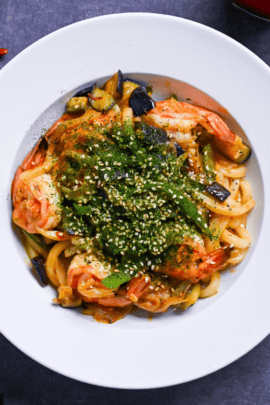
column 176, row 56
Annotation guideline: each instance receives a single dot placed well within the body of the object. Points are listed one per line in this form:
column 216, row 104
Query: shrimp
column 35, row 199
column 86, row 263
column 36, row 204
column 185, row 266
column 182, row 117
column 85, row 274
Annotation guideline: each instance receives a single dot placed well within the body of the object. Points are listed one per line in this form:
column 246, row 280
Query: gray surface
column 23, row 381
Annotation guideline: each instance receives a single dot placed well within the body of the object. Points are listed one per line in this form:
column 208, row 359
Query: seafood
column 194, row 266
column 37, row 204
column 179, row 116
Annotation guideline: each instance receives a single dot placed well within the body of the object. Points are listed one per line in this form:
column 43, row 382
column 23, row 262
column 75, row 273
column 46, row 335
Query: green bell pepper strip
column 37, row 240
column 185, row 204
column 208, row 163
column 124, row 273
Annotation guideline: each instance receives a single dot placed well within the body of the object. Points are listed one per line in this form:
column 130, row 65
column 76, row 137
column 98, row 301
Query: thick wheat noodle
column 237, row 221
column 61, row 272
column 237, row 256
column 234, row 187
column 53, row 235
column 220, row 178
column 213, row 206
column 234, row 173
column 54, row 253
column 150, row 303
column 246, row 190
column 213, row 286
column 192, row 297
column 33, row 173
column 95, row 292
column 170, row 301
column 232, row 239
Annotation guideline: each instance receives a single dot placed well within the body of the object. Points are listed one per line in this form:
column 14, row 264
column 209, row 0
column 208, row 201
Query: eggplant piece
column 140, row 102
column 129, row 80
column 100, row 100
column 77, row 104
column 179, row 150
column 114, row 85
column 85, row 92
column 244, row 154
column 218, row 191
column 102, row 193
column 39, row 266
column 153, row 135
column 128, row 87
column 237, row 151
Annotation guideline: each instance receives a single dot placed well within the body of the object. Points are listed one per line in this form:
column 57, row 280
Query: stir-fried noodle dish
column 126, row 202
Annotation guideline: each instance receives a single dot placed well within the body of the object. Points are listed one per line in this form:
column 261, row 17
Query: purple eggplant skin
column 246, row 156
column 140, row 102
column 120, row 81
column 39, row 266
column 218, row 191
column 102, row 193
column 179, row 150
column 85, row 92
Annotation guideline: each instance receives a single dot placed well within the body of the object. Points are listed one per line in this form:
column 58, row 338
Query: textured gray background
column 22, row 380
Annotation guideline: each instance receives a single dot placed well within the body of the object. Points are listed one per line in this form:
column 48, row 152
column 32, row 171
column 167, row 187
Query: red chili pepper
column 3, row 51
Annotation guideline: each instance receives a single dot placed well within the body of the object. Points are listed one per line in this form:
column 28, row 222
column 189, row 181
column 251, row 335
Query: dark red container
column 260, row 8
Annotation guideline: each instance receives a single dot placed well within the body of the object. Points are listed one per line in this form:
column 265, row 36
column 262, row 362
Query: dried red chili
column 3, row 51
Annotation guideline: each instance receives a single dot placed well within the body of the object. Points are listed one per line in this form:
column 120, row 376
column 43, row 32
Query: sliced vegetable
column 218, row 191
column 77, row 104
column 140, row 102
column 3, row 51
column 103, row 193
column 128, row 87
column 209, row 163
column 181, row 160
column 188, row 207
column 39, row 265
column 125, row 271
column 100, row 100
column 153, row 135
column 179, row 150
column 84, row 92
column 114, row 280
column 37, row 240
column 238, row 151
column 114, row 85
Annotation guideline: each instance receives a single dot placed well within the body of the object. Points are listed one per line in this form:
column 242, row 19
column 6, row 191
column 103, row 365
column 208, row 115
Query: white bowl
column 177, row 56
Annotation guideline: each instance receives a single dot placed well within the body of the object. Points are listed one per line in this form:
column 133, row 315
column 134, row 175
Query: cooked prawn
column 36, row 204
column 85, row 274
column 182, row 117
column 185, row 266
